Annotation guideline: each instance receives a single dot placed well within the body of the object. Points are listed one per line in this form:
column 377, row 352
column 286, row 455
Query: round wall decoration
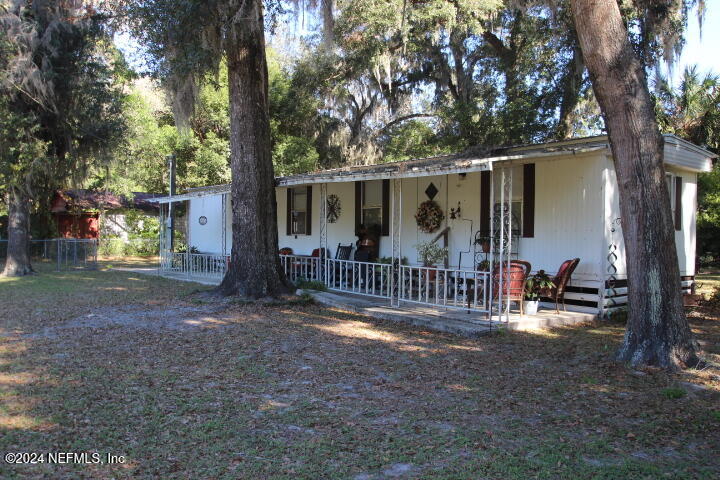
column 333, row 208
column 429, row 216
column 202, row 220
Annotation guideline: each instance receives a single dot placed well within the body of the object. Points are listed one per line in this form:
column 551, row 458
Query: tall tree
column 657, row 330
column 187, row 39
column 58, row 103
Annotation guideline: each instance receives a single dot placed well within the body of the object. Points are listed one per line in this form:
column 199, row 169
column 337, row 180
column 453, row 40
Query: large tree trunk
column 17, row 262
column 572, row 84
column 657, row 330
column 255, row 269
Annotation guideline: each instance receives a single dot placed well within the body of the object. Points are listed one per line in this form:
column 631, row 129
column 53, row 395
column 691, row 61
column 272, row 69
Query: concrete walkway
column 174, row 276
column 458, row 322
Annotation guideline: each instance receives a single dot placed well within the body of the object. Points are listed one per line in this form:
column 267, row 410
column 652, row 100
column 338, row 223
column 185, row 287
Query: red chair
column 320, row 252
column 514, row 277
column 286, row 251
column 561, row 279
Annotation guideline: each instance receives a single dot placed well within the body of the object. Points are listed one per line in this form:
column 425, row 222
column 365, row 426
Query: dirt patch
column 143, row 317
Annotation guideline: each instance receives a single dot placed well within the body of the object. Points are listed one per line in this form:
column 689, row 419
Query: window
column 675, row 186
column 516, row 216
column 372, row 204
column 298, row 210
column 518, row 197
column 671, row 190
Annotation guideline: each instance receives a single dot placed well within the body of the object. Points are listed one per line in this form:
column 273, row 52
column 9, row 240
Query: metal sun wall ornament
column 455, row 212
column 202, row 220
column 334, row 209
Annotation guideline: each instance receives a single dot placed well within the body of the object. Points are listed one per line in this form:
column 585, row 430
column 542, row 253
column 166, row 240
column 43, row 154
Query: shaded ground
column 707, row 282
column 185, row 387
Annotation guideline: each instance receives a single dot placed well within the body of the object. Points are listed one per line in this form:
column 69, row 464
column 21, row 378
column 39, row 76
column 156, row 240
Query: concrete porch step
column 419, row 317
column 458, row 322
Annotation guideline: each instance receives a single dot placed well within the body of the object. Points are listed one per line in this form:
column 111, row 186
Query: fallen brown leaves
column 258, row 391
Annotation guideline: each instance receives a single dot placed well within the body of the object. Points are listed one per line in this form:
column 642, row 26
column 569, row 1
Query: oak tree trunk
column 657, row 330
column 254, row 269
column 17, row 262
column 572, row 84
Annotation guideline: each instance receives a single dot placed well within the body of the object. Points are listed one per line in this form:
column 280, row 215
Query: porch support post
column 503, row 216
column 491, row 267
column 396, row 226
column 507, row 224
column 162, row 248
column 223, row 223
column 322, row 266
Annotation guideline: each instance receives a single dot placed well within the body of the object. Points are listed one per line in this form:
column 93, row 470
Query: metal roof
column 471, row 160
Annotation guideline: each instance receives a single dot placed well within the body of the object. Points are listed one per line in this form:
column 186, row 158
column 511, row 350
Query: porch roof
column 472, row 160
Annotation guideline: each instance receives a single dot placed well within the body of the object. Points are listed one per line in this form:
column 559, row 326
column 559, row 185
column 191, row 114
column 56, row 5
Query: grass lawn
column 184, row 386
column 708, row 282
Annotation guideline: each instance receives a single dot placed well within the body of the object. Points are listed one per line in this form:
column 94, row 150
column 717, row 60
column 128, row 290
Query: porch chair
column 560, row 281
column 319, row 252
column 322, row 254
column 516, row 276
column 343, row 252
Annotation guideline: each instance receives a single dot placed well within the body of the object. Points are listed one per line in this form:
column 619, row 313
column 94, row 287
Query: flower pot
column 430, row 274
column 530, row 307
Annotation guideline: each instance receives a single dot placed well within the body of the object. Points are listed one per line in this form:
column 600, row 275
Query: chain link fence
column 70, row 253
column 63, row 253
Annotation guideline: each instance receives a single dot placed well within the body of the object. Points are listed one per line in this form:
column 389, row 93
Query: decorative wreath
column 429, row 216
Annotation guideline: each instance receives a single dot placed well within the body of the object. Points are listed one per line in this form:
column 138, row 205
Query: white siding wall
column 685, row 238
column 568, row 216
column 576, row 202
column 206, row 238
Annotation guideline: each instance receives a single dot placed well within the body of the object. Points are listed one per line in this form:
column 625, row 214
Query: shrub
column 674, row 393
column 306, row 284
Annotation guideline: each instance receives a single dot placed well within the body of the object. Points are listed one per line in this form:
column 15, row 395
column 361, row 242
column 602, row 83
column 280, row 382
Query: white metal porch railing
column 443, row 287
column 200, row 265
column 365, row 278
column 298, row 267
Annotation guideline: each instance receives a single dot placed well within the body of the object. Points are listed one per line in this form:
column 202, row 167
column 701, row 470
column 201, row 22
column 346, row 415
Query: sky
column 701, row 50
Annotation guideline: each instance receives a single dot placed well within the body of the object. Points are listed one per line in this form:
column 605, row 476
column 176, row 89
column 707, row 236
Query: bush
column 618, row 315
column 674, row 393
column 137, row 247
column 305, row 284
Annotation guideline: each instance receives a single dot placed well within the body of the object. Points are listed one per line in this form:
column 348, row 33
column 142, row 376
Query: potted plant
column 533, row 289
column 431, row 253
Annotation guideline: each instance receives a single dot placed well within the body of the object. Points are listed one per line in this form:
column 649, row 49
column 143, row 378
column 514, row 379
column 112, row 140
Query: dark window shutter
column 386, row 207
column 485, row 203
column 529, row 200
column 678, row 203
column 308, row 211
column 288, row 212
column 358, row 205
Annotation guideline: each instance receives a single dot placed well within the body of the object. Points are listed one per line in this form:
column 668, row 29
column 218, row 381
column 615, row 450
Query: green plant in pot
column 534, row 286
column 431, row 254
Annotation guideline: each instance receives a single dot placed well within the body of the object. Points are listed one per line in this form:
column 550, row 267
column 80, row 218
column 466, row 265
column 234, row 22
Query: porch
column 448, row 300
column 466, row 323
